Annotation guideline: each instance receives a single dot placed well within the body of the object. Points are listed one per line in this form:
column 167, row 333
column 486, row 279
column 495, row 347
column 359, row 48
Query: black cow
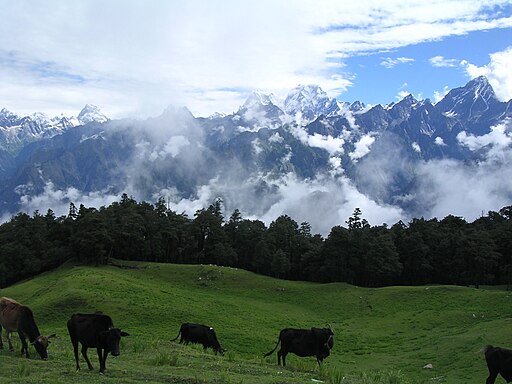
column 304, row 342
column 94, row 331
column 499, row 360
column 199, row 334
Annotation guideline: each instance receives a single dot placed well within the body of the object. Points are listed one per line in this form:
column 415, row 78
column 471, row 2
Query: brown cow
column 15, row 317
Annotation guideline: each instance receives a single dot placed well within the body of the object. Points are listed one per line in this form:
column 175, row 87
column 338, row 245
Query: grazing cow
column 199, row 334
column 15, row 317
column 304, row 342
column 94, row 331
column 499, row 360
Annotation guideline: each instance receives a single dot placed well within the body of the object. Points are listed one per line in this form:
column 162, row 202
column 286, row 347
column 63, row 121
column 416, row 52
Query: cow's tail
column 176, row 338
column 486, row 348
column 272, row 351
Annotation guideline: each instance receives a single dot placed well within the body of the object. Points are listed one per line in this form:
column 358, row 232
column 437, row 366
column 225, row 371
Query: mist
column 171, row 160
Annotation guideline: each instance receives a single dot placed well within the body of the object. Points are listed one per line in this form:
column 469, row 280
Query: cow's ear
column 52, row 335
column 123, row 333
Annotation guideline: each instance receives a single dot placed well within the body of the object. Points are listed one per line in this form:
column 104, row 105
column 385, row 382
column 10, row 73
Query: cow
column 199, row 334
column 304, row 342
column 15, row 317
column 94, row 331
column 499, row 360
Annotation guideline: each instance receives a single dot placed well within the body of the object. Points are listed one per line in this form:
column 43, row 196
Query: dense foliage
column 447, row 251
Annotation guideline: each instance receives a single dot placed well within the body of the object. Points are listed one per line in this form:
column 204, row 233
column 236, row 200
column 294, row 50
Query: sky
column 135, row 58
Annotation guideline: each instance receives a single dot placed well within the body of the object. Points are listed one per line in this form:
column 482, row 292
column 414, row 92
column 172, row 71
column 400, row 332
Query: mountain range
column 255, row 157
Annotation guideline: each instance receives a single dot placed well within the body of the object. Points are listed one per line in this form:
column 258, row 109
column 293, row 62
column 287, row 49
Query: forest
column 446, row 251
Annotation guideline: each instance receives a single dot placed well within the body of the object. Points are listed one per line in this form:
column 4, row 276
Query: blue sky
column 375, row 83
column 134, row 58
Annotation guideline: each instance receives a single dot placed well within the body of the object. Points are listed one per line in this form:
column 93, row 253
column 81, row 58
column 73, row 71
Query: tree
column 280, row 263
column 283, row 234
column 355, row 222
column 92, row 240
column 341, row 264
column 382, row 259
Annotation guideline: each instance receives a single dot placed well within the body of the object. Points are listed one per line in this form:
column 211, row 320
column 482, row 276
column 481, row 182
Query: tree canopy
column 447, row 251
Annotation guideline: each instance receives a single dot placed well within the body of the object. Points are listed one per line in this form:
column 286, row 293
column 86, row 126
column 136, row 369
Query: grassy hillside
column 381, row 335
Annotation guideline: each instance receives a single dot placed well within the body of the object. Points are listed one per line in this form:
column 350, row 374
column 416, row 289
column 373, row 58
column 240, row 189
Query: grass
column 382, row 336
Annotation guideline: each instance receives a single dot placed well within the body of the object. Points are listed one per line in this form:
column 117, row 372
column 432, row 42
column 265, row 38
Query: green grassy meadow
column 384, row 335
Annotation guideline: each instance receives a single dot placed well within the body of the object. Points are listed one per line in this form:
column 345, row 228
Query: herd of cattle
column 97, row 331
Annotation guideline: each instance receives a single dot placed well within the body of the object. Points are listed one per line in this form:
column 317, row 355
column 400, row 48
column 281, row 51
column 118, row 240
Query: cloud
column 58, row 200
column 57, row 56
column 452, row 187
column 441, row 62
column 497, row 141
column 498, row 72
column 438, row 96
column 439, row 141
column 362, row 147
column 333, row 145
column 389, row 63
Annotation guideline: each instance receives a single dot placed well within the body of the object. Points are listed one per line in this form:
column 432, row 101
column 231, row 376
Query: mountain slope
column 257, row 154
column 389, row 329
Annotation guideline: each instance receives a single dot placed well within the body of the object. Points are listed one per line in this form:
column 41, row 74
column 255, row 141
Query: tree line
column 447, row 251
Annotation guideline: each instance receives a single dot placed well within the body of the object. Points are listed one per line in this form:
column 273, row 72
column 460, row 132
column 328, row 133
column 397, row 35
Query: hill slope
column 389, row 329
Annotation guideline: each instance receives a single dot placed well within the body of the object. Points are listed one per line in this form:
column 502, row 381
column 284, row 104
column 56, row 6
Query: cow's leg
column 102, row 356
column 11, row 348
column 24, row 345
column 493, row 373
column 84, row 354
column 1, row 341
column 280, row 355
column 75, row 351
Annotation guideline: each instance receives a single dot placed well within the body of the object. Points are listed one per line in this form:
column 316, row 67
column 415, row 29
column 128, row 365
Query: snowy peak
column 469, row 102
column 7, row 118
column 309, row 101
column 258, row 99
column 91, row 113
column 16, row 131
column 260, row 110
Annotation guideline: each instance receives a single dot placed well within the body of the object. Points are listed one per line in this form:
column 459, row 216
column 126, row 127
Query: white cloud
column 389, row 63
column 362, row 147
column 440, row 62
column 498, row 140
column 173, row 147
column 439, row 141
column 333, row 145
column 416, row 147
column 58, row 55
column 438, row 96
column 58, row 200
column 451, row 187
column 498, row 72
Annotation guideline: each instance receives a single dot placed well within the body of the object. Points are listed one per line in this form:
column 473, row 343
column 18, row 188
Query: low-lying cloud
column 439, row 187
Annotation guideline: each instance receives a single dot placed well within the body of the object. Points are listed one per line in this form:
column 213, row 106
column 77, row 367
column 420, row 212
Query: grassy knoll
column 381, row 335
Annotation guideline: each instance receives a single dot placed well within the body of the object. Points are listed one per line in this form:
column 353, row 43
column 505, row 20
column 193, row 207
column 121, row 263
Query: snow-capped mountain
column 260, row 108
column 91, row 113
column 309, row 102
column 382, row 151
column 16, row 131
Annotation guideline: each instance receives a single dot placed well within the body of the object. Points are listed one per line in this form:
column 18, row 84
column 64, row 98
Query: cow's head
column 111, row 339
column 41, row 345
column 219, row 349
